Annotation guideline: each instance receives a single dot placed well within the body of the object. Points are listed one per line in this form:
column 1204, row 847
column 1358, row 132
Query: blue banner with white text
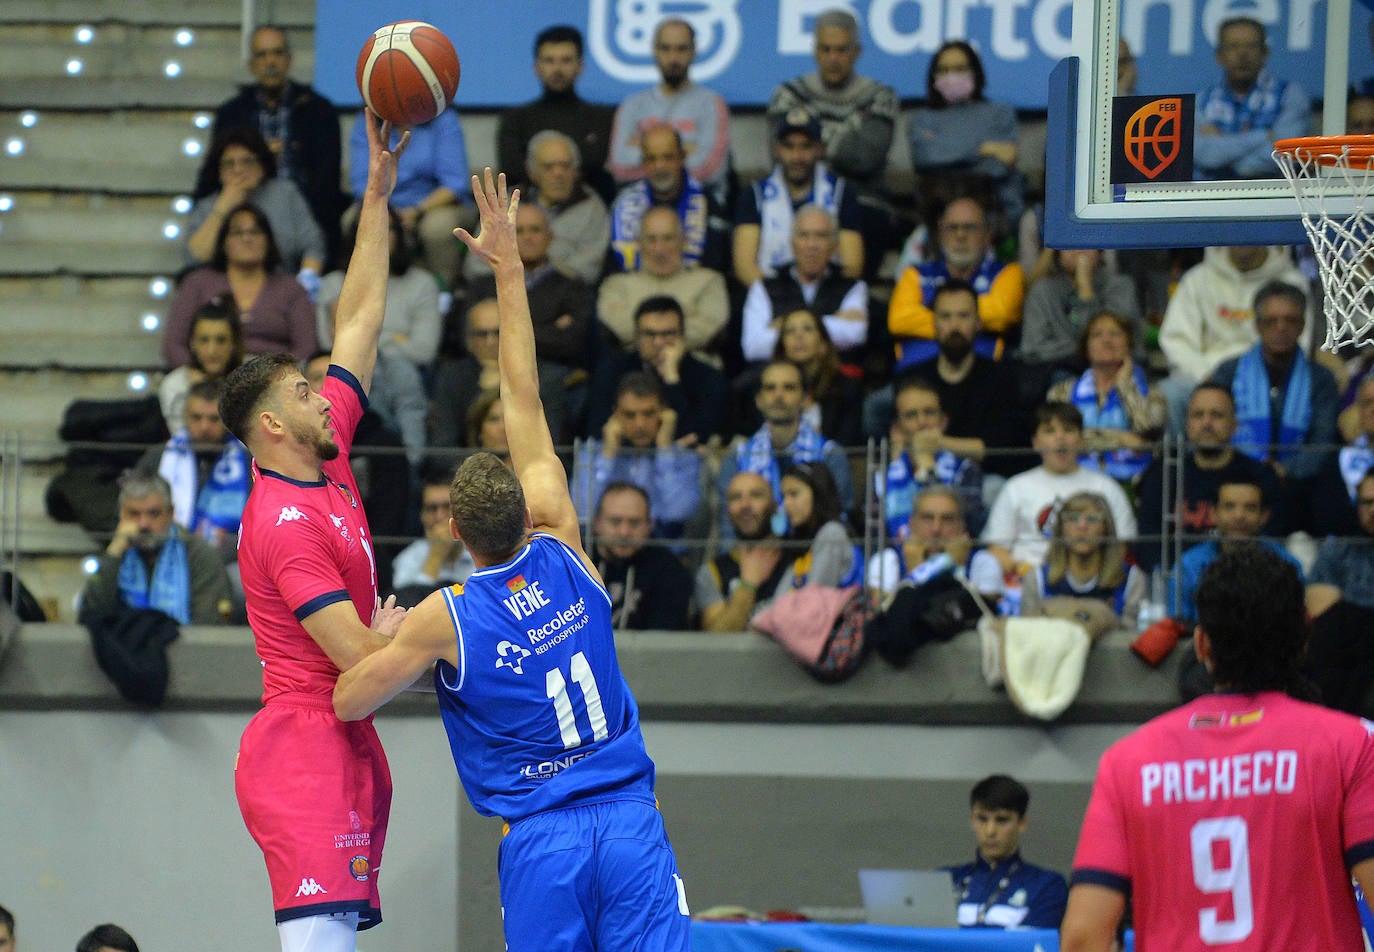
column 747, row 47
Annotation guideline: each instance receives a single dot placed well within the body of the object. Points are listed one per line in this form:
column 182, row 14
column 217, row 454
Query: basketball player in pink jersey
column 315, row 792
column 1236, row 821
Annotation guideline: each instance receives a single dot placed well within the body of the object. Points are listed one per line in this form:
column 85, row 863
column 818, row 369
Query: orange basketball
column 408, row 72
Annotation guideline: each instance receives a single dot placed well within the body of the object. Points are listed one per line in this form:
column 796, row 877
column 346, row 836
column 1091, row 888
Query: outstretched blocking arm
column 362, row 300
column 537, row 466
column 425, row 636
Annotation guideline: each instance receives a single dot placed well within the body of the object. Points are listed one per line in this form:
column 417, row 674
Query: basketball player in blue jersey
column 544, row 730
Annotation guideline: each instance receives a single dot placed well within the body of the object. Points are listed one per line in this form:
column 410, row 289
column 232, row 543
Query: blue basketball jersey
column 537, row 712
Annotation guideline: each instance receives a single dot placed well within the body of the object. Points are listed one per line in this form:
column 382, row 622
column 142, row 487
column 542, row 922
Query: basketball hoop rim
column 1327, row 150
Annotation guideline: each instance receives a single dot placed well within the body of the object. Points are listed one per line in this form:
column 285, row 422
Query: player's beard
column 318, row 440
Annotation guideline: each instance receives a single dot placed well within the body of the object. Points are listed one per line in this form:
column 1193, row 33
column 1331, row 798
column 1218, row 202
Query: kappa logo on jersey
column 310, row 888
column 290, row 514
column 341, row 524
column 512, row 656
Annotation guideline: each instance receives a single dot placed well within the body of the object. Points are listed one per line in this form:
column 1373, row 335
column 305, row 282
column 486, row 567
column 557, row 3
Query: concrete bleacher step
column 120, row 51
column 56, row 581
column 35, row 400
column 75, row 323
column 288, row 13
column 141, row 151
column 38, row 533
column 47, row 232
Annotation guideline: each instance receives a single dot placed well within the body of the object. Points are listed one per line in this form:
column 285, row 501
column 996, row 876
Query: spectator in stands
column 151, row 562
column 107, row 938
column 486, row 425
column 1086, row 560
column 1211, row 460
column 665, row 269
column 998, row 890
column 1123, row 416
column 1240, row 118
column 648, row 587
column 737, row 584
column 1242, row 510
column 274, row 310
column 858, row 117
column 961, row 142
column 834, row 399
column 785, row 437
column 380, row 467
column 298, row 124
column 815, row 519
column 1285, row 401
column 812, row 281
column 1333, row 506
column 923, row 456
column 936, row 526
column 1022, row 518
column 206, row 468
column 637, row 446
column 560, row 305
column 765, row 226
column 246, row 173
column 557, row 66
column 458, row 382
column 578, row 218
column 698, row 115
column 1060, row 305
column 1359, row 115
column 695, row 391
column 705, row 227
column 411, row 325
column 1127, row 71
column 1211, row 317
column 967, row 383
column 1340, row 600
column 214, row 347
column 430, row 188
column 965, row 254
column 438, row 559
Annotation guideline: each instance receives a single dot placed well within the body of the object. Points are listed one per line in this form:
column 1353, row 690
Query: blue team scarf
column 776, row 208
column 1355, row 460
column 170, row 588
column 901, row 486
column 1258, row 109
column 627, row 216
column 757, row 456
column 215, row 508
column 1120, row 464
column 1251, row 391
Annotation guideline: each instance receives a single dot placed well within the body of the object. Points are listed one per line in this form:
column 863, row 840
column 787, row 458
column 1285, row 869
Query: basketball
column 408, row 72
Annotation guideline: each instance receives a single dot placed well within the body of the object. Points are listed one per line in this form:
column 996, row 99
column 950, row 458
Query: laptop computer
column 909, row 897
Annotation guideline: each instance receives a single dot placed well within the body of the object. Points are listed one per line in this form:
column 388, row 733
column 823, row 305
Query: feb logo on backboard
column 1152, row 139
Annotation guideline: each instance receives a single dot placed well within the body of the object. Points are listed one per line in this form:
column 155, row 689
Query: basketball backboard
column 1323, row 44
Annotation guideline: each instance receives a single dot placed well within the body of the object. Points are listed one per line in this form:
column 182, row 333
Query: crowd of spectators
column 716, row 352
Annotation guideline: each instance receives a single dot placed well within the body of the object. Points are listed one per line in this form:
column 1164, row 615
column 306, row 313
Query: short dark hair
column 1215, row 387
column 488, row 504
column 1250, row 604
column 1280, row 289
column 1243, row 21
column 559, row 33
column 640, row 383
column 7, row 920
column 915, row 382
column 1000, row 792
column 954, row 286
column 218, row 308
column 245, row 388
column 620, row 486
column 252, row 140
column 108, row 935
column 1058, row 411
column 1240, row 479
column 210, row 390
column 980, row 77
column 660, row 304
column 220, row 261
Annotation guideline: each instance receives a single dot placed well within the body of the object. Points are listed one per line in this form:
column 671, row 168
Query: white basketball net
column 1344, row 243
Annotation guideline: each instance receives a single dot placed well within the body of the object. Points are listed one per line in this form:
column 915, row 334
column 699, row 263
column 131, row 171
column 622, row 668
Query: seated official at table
column 1000, row 890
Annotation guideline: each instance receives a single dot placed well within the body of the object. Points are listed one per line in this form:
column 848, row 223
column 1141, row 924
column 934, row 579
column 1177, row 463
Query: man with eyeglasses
column 299, row 124
column 438, row 559
column 966, row 254
column 692, row 388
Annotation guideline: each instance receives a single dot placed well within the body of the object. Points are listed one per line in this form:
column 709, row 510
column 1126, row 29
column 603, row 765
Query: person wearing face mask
column 961, row 141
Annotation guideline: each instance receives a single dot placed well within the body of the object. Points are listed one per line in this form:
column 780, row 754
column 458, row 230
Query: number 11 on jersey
column 556, row 688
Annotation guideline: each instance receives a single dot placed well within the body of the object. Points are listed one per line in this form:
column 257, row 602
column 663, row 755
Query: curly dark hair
column 1250, row 604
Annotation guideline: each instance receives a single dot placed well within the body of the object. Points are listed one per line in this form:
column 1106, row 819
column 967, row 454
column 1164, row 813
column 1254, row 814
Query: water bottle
column 1010, row 605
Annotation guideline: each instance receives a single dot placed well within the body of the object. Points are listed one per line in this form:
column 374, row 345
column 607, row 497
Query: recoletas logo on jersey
column 512, row 656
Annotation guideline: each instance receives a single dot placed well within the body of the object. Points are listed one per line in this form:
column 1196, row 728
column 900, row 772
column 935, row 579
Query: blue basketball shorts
column 595, row 878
